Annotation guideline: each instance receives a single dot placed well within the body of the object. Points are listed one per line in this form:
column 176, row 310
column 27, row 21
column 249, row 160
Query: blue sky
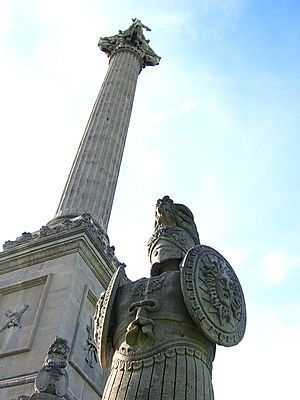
column 215, row 126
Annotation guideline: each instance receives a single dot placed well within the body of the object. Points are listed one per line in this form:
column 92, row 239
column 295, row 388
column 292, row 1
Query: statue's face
column 164, row 250
column 224, row 289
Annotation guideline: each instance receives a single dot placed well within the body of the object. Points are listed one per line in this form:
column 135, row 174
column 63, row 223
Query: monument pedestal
column 49, row 285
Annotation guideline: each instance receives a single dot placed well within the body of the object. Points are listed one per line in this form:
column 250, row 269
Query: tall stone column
column 91, row 185
column 51, row 278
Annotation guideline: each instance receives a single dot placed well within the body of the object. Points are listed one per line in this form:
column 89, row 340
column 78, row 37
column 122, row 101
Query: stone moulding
column 18, row 380
column 65, row 225
column 79, row 239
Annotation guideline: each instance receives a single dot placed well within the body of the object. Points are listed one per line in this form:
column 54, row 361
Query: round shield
column 103, row 318
column 213, row 296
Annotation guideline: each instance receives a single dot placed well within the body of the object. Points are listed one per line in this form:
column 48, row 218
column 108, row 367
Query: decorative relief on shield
column 213, row 296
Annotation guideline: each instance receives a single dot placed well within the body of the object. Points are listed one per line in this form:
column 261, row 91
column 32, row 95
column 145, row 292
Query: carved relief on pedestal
column 90, row 348
column 84, row 355
column 21, row 306
column 13, row 318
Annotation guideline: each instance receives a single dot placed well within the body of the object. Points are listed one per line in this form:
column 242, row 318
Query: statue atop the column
column 159, row 334
column 131, row 39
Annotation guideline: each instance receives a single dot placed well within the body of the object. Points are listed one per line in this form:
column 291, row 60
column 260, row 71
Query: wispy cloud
column 7, row 22
column 275, row 267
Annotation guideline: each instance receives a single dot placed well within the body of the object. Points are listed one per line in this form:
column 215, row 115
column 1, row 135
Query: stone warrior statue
column 159, row 334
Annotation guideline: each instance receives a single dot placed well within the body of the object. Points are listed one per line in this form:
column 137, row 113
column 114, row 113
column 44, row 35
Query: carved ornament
column 131, row 39
column 13, row 318
column 146, row 286
column 90, row 348
column 122, row 362
column 52, row 377
column 213, row 296
column 65, row 224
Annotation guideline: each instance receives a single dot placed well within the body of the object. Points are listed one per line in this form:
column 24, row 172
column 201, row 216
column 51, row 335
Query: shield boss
column 213, row 296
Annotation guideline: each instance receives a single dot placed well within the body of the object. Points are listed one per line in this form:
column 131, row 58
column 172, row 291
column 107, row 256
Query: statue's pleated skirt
column 179, row 375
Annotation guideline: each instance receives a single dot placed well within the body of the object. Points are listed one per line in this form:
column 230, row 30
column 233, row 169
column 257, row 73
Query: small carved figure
column 13, row 318
column 26, row 236
column 90, row 347
column 159, row 334
column 110, row 251
column 45, row 230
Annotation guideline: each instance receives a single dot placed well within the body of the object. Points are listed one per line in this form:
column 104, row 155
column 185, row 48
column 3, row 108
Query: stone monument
column 93, row 178
column 159, row 335
column 50, row 279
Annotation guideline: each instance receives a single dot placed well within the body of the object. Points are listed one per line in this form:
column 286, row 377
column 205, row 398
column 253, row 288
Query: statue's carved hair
column 168, row 213
column 174, row 223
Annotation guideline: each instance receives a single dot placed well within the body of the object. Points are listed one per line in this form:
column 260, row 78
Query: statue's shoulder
column 213, row 295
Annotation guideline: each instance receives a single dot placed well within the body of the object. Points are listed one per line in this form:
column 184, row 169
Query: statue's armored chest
column 149, row 304
column 164, row 290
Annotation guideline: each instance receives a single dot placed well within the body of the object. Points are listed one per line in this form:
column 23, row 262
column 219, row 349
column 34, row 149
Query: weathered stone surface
column 52, row 378
column 60, row 276
column 131, row 39
column 43, row 396
column 51, row 278
column 213, row 296
column 92, row 181
column 103, row 317
column 159, row 350
column 66, row 225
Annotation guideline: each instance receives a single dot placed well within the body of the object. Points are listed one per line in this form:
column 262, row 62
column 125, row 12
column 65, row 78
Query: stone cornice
column 79, row 239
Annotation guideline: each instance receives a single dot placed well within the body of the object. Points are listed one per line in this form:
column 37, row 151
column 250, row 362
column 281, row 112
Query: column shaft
column 91, row 185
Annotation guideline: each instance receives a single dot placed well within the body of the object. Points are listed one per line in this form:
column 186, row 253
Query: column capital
column 131, row 39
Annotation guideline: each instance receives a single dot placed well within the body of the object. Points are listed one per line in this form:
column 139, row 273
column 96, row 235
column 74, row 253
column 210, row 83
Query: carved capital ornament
column 132, row 39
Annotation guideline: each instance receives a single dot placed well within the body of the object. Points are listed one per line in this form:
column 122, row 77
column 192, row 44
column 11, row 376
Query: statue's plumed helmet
column 174, row 223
